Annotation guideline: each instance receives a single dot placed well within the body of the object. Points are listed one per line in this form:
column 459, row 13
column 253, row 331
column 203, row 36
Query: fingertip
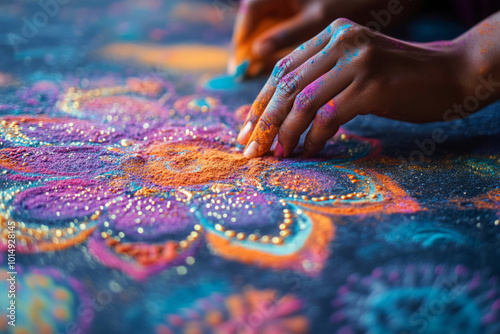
column 312, row 152
column 308, row 154
column 241, row 140
column 289, row 145
column 252, row 150
column 311, row 149
column 245, row 133
column 287, row 152
column 278, row 150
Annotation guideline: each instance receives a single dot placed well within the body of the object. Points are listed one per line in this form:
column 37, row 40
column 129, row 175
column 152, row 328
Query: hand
column 350, row 70
column 267, row 30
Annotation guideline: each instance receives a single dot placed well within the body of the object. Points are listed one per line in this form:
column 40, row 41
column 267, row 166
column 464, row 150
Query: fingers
column 285, row 93
column 283, row 67
column 245, row 29
column 285, row 34
column 283, row 98
column 249, row 14
column 290, row 91
column 267, row 64
column 338, row 111
column 309, row 100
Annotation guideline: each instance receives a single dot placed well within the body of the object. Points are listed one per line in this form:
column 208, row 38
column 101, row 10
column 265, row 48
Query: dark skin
column 349, row 70
column 298, row 21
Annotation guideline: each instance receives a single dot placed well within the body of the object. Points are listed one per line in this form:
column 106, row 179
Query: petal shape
column 143, row 235
column 58, row 161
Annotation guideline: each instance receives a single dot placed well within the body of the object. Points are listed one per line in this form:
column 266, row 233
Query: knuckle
column 353, row 41
column 303, row 103
column 327, row 116
column 350, row 34
column 340, row 22
column 282, row 67
column 288, row 85
column 325, row 121
column 347, row 32
column 342, row 42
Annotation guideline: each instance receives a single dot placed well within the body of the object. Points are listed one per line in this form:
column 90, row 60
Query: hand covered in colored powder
column 266, row 30
column 349, row 70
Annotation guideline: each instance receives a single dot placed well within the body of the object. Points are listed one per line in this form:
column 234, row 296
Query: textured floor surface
column 135, row 209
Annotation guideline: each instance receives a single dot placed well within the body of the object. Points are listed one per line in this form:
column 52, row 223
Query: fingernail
column 245, row 133
column 264, row 48
column 278, row 150
column 252, row 150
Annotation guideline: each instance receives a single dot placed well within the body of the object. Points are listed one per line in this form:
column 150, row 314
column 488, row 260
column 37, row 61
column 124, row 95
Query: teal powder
column 228, row 82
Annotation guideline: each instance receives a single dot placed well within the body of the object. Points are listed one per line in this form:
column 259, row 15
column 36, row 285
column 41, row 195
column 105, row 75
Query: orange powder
column 184, row 58
column 242, row 112
column 315, row 247
column 263, row 134
column 197, row 13
column 259, row 105
column 48, row 246
column 144, row 87
column 188, row 164
column 399, row 202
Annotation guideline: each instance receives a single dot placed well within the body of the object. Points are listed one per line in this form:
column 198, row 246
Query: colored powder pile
column 61, row 201
column 32, row 131
column 145, row 87
column 312, row 182
column 136, row 109
column 190, row 164
column 126, row 220
column 228, row 82
column 52, row 160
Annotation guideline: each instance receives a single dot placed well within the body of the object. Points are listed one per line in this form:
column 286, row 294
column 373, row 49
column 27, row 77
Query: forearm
column 481, row 53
